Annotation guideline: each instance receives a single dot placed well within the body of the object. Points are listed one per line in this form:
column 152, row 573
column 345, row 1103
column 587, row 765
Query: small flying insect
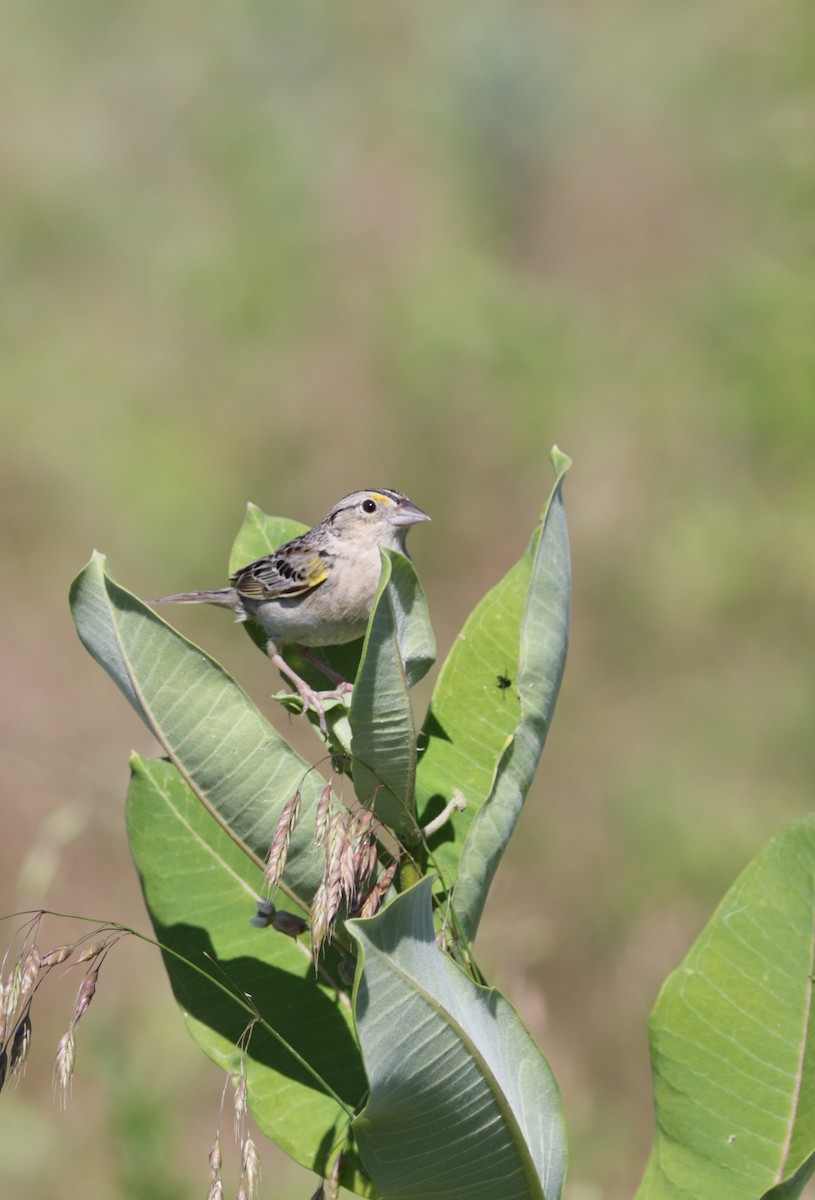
column 504, row 682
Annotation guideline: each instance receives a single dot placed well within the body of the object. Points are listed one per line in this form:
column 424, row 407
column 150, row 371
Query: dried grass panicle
column 32, row 966
column 56, row 956
column 216, row 1190
column 318, row 919
column 64, row 1064
column 360, row 826
column 20, row 1045
column 365, row 854
column 351, row 858
column 367, row 869
column 279, row 849
column 240, row 1104
column 12, row 992
column 321, row 816
column 377, row 894
column 348, row 868
column 333, row 866
column 215, row 1159
column 334, row 1178
column 250, row 1166
column 93, row 950
column 87, row 990
column 328, row 897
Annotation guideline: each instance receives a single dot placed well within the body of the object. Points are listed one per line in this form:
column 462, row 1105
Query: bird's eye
column 369, row 506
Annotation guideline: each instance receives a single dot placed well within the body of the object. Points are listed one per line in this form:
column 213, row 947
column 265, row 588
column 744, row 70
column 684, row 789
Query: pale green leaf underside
column 484, row 739
column 200, row 891
column 233, row 758
column 463, row 1104
column 732, row 1047
column 398, row 650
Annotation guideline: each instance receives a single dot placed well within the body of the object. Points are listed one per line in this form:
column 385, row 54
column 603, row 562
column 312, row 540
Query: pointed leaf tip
column 560, row 461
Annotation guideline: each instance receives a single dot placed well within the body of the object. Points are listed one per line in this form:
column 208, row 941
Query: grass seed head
column 319, row 919
column 64, row 1065
column 378, row 892
column 215, row 1159
column 250, row 1166
column 12, row 992
column 87, row 990
column 20, row 1045
column 279, row 849
column 92, row 950
column 31, row 972
column 240, row 1106
column 334, row 1179
column 321, row 816
column 56, row 956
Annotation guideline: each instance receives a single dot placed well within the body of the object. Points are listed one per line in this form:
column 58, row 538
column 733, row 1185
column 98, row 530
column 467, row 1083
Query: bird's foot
column 342, row 685
column 312, row 699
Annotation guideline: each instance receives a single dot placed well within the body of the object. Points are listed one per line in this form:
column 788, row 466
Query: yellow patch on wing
column 282, row 579
column 315, row 571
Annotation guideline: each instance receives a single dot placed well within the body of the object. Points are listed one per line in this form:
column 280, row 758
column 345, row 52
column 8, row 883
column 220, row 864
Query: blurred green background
column 277, row 251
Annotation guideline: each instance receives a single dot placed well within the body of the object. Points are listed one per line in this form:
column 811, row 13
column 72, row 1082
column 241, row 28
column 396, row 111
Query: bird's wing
column 281, row 576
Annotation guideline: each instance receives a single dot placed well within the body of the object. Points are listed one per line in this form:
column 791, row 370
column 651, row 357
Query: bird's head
column 375, row 516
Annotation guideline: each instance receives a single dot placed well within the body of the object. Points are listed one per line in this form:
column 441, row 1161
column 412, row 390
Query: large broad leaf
column 732, row 1040
column 492, row 708
column 399, row 649
column 462, row 1101
column 259, row 535
column 235, row 761
column 304, row 1073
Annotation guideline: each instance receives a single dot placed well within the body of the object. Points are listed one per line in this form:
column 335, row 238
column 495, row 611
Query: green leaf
column 462, row 1101
column 237, row 764
column 484, row 738
column 732, row 1040
column 303, row 1067
column 399, row 649
column 794, row 1186
column 260, row 535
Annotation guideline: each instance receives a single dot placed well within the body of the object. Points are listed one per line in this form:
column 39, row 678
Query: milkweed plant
column 317, row 920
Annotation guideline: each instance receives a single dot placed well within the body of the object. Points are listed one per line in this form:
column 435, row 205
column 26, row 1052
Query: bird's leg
column 342, row 685
column 310, row 698
column 307, row 694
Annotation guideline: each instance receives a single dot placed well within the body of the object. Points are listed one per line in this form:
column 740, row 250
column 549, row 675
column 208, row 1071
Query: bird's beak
column 409, row 513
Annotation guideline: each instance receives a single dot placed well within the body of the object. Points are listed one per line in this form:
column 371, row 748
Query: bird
column 319, row 588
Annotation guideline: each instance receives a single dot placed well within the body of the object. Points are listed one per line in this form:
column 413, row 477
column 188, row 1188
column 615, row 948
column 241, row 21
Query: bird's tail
column 225, row 597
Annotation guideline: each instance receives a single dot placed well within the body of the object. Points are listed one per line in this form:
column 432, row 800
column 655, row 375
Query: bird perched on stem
column 319, row 589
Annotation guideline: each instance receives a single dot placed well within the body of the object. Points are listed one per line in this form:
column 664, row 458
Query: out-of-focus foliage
column 275, row 252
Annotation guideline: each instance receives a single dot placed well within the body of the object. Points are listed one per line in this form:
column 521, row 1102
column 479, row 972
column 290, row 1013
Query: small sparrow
column 318, row 589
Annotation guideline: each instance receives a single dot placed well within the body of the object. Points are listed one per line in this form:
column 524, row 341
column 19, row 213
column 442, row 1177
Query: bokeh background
column 278, row 251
